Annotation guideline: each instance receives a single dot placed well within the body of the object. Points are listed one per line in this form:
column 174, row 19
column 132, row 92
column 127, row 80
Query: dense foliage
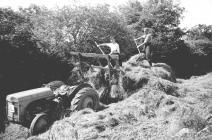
column 23, row 64
column 199, row 40
column 199, row 32
column 76, row 28
column 187, row 52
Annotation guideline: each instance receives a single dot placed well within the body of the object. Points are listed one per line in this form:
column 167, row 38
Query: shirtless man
column 114, row 48
column 147, row 47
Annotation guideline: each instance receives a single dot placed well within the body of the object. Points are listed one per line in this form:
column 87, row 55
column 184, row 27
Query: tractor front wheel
column 85, row 98
column 39, row 124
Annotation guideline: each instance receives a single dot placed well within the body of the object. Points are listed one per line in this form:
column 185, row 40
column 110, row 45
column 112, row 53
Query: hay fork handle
column 99, row 48
column 102, row 52
column 137, row 46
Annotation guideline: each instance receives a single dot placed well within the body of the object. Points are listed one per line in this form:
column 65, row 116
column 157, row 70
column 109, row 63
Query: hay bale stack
column 161, row 70
column 138, row 72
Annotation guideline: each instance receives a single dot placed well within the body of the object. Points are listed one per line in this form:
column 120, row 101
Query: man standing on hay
column 114, row 48
column 146, row 45
column 115, row 88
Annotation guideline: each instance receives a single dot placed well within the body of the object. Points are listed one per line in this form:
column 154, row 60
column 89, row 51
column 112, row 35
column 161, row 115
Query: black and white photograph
column 105, row 70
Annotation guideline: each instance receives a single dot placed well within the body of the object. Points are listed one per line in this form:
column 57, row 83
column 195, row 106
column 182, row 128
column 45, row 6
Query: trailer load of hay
column 134, row 74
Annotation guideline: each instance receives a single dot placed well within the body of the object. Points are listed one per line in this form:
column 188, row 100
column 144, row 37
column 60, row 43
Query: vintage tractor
column 38, row 108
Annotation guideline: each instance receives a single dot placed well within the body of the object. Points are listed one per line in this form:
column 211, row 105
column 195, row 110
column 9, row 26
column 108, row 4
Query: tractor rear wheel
column 39, row 124
column 85, row 98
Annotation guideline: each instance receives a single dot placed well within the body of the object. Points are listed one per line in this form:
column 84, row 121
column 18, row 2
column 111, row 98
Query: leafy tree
column 45, row 27
column 163, row 17
column 200, row 31
column 199, row 40
column 77, row 27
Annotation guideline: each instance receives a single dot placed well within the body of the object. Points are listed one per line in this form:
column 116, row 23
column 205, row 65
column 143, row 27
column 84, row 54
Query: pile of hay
column 15, row 132
column 138, row 73
column 156, row 108
column 134, row 74
column 161, row 70
column 149, row 113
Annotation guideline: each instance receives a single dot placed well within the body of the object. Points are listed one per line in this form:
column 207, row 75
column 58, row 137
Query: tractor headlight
column 12, row 110
column 11, row 107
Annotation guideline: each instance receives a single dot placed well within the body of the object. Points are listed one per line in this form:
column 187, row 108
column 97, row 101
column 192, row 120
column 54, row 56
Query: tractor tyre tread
column 82, row 94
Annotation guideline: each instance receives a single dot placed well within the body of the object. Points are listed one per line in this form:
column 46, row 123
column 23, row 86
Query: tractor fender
column 76, row 89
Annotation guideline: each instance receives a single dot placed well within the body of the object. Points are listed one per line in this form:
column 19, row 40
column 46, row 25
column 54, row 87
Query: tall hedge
column 23, row 62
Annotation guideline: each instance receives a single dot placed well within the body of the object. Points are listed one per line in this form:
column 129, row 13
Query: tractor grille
column 12, row 112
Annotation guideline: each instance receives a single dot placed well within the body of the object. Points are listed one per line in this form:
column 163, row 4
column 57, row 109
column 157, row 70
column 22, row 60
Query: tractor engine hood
column 33, row 94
